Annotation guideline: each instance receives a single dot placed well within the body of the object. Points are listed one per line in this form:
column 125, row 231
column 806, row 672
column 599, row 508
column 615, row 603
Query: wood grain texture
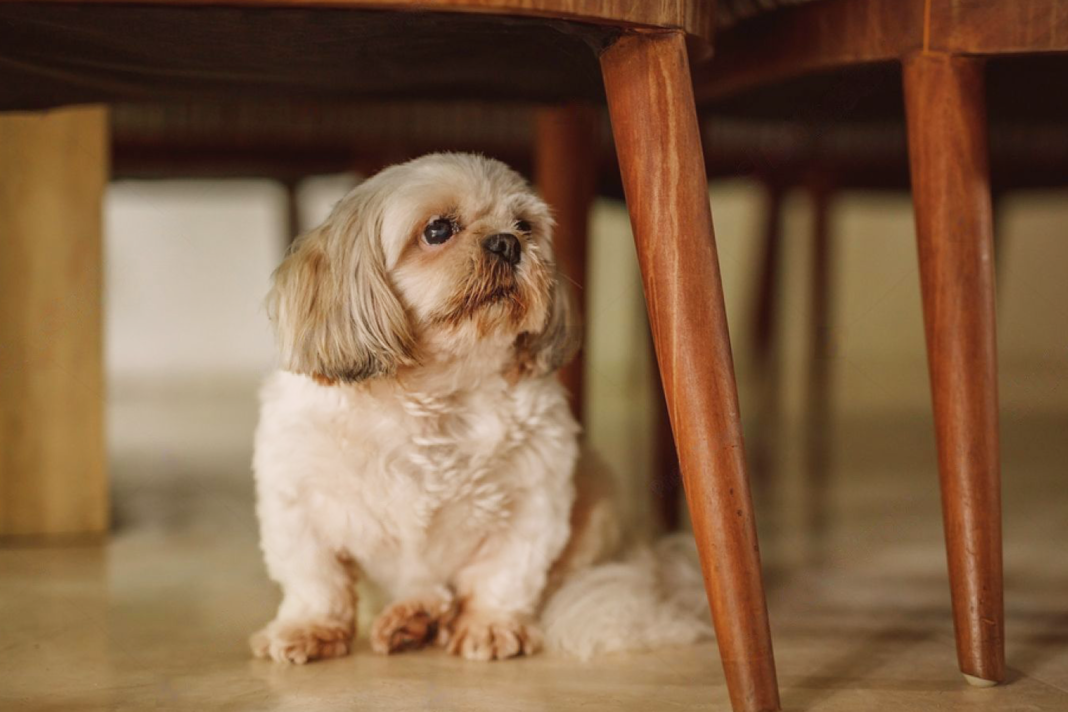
column 566, row 159
column 654, row 121
column 989, row 27
column 53, row 169
column 695, row 17
column 666, row 484
column 809, row 38
column 58, row 53
column 945, row 105
column 836, row 33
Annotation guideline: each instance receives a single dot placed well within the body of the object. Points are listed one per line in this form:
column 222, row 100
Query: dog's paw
column 485, row 636
column 301, row 642
column 409, row 625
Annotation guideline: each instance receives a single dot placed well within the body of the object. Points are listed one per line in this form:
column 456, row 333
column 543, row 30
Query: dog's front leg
column 316, row 618
column 501, row 589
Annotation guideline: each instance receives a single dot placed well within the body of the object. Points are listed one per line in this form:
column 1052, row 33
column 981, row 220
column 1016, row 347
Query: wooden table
column 634, row 54
column 940, row 56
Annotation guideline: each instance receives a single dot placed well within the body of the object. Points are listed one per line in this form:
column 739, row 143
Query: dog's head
column 420, row 264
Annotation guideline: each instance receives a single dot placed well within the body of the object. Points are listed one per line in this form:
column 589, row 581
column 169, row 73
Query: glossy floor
column 158, row 617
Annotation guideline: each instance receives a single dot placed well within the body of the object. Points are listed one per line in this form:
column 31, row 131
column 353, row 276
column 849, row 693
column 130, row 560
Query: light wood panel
column 53, row 170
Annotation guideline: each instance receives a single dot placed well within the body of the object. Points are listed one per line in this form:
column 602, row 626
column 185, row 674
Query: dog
column 415, row 434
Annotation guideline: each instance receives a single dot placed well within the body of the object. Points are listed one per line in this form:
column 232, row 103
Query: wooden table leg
column 666, row 484
column 654, row 121
column 566, row 157
column 766, row 295
column 53, row 171
column 945, row 105
column 818, row 396
column 293, row 223
column 764, row 438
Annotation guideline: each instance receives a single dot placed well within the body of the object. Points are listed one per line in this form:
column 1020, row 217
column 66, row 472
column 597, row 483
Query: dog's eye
column 523, row 226
column 438, row 231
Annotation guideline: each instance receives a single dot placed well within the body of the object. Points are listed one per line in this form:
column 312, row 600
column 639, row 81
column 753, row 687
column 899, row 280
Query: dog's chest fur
column 407, row 484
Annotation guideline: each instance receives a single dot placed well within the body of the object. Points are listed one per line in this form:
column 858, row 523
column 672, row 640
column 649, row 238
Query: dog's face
column 420, row 264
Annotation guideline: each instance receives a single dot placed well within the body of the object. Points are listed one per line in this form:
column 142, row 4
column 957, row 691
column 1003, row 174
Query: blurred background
column 225, row 131
column 845, row 483
column 188, row 264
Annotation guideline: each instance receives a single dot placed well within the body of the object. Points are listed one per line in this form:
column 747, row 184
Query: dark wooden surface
column 995, row 27
column 951, row 192
column 53, row 54
column 665, row 479
column 654, row 121
column 566, row 148
column 289, row 139
column 695, row 17
column 832, row 34
column 969, row 65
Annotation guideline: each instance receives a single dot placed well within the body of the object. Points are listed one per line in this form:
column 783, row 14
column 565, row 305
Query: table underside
column 55, row 54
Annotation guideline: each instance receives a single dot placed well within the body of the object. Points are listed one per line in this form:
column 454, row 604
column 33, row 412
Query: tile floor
column 157, row 618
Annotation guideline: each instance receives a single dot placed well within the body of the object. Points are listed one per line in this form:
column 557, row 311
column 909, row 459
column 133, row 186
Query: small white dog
column 416, row 434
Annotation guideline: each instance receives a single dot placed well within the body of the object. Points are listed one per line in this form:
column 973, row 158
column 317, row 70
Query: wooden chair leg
column 818, row 396
column 53, row 171
column 764, row 441
column 945, row 106
column 292, row 211
column 654, row 121
column 766, row 296
column 566, row 143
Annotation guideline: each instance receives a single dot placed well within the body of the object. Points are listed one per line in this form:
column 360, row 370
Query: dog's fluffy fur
column 416, row 435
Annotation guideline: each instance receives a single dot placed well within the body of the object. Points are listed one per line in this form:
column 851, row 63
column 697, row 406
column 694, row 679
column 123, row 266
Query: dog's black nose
column 505, row 245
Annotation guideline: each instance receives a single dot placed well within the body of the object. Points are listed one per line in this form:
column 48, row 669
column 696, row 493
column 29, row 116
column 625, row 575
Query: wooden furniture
column 657, row 134
column 945, row 104
column 499, row 49
column 800, row 60
column 52, row 462
column 827, row 161
column 566, row 163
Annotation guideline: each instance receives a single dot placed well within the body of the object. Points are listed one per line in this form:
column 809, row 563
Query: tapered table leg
column 945, row 104
column 654, row 121
column 766, row 296
column 666, row 483
column 818, row 394
column 764, row 345
column 53, row 171
column 566, row 156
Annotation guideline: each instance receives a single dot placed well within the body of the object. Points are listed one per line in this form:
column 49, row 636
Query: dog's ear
column 557, row 343
column 336, row 315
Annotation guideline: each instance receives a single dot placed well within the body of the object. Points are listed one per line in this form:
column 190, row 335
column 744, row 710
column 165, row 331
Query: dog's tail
column 652, row 597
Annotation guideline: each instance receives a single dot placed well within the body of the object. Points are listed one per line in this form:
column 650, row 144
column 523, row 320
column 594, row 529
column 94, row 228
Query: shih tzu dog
column 416, row 434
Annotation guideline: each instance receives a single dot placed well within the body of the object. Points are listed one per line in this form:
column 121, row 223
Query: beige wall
column 186, row 266
column 879, row 363
column 188, row 263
